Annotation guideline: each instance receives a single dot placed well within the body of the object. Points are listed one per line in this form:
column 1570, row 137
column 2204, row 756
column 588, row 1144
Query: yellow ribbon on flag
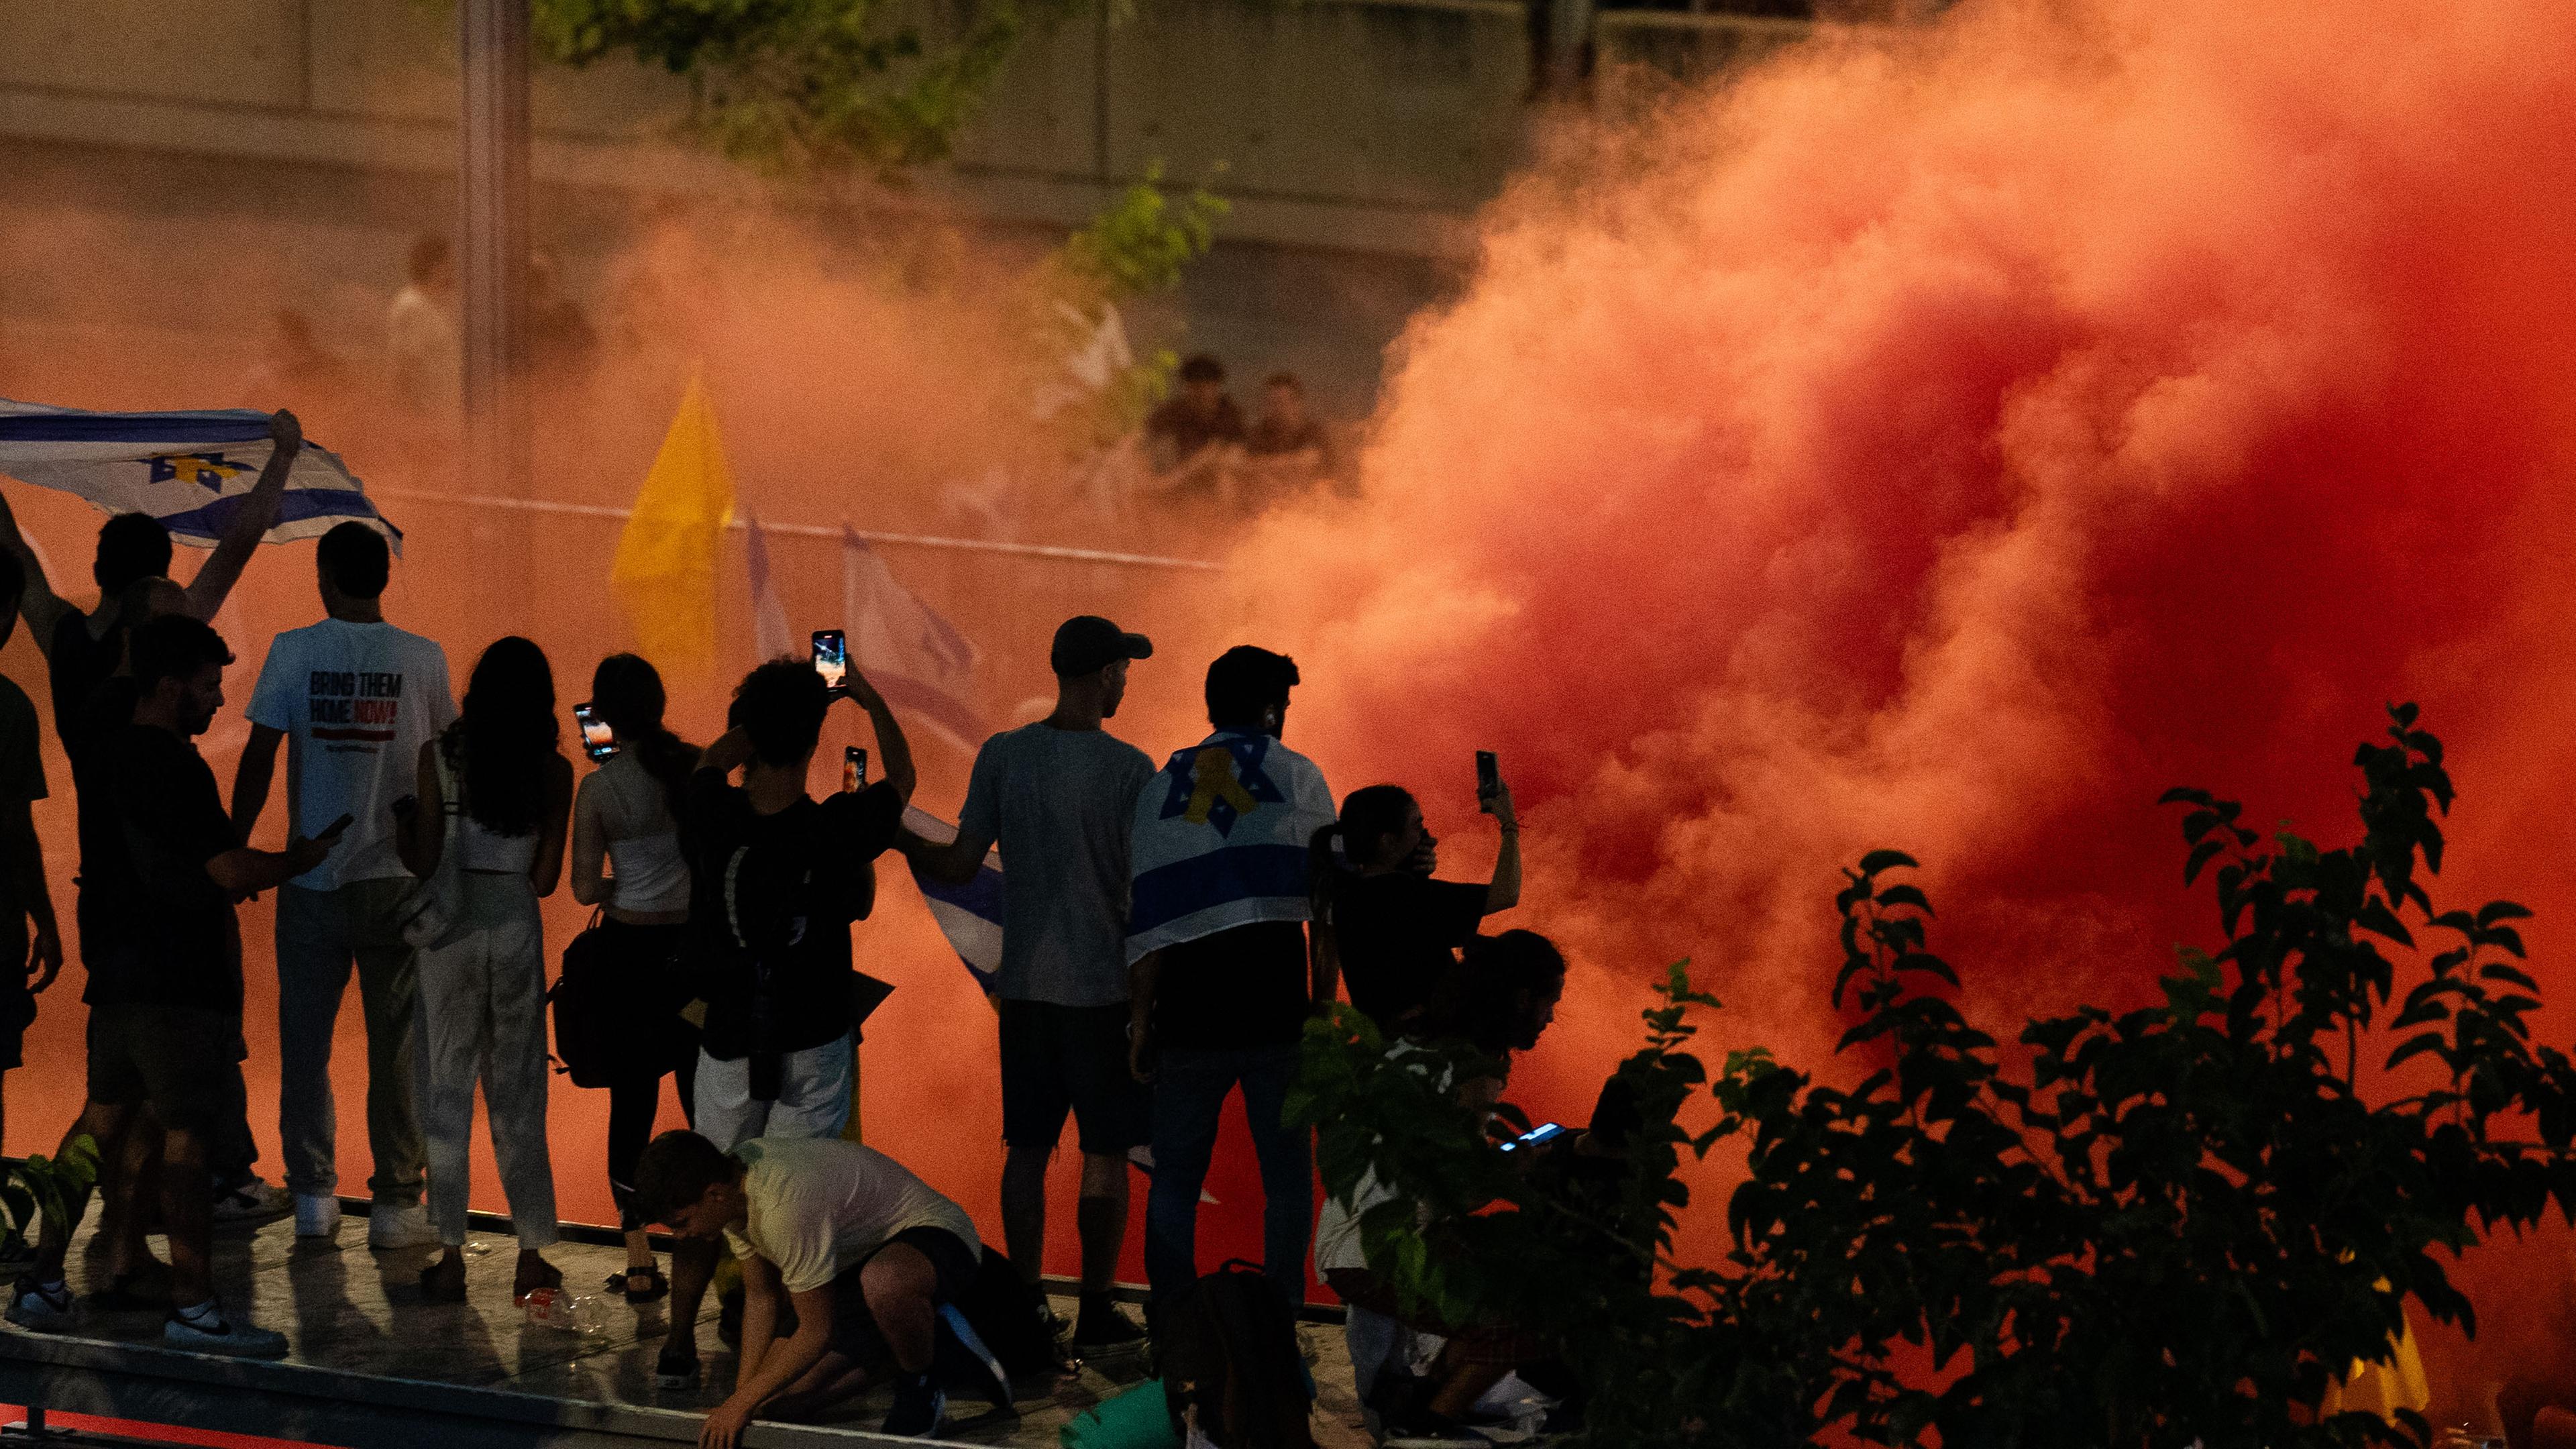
column 665, row 571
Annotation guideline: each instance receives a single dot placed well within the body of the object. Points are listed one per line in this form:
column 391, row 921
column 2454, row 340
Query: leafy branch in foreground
column 790, row 85
column 2158, row 1227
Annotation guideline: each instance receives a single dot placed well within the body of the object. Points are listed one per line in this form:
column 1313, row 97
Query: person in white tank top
column 483, row 984
column 626, row 860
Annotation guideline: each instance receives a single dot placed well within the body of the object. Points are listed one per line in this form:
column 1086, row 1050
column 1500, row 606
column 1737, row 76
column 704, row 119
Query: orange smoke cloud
column 1949, row 438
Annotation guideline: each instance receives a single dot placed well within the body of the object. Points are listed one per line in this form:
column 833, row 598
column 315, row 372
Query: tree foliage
column 789, row 85
column 2159, row 1227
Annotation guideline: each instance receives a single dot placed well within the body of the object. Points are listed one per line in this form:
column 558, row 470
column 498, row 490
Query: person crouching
column 863, row 1253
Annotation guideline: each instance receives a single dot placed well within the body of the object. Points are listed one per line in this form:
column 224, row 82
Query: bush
column 2167, row 1226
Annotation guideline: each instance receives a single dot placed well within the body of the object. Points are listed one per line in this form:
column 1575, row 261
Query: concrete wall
column 1348, row 123
column 1355, row 139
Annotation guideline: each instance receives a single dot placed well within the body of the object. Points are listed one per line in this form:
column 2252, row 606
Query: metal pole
column 492, row 44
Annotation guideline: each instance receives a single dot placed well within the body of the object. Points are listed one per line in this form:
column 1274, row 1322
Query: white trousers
column 813, row 1096
column 483, row 1018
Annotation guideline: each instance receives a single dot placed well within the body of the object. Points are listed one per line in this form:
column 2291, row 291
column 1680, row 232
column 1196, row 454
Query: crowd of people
column 1168, row 930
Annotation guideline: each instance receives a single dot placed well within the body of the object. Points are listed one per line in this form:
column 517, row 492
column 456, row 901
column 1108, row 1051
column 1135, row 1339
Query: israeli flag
column 188, row 469
column 969, row 915
column 916, row 659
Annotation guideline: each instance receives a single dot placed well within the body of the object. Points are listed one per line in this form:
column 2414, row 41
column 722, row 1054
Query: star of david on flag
column 1218, row 783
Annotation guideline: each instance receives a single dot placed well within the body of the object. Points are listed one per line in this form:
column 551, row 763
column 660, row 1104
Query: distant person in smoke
column 1222, row 976
column 1059, row 796
column 561, row 342
column 860, row 1251
column 778, row 879
column 483, row 984
column 93, row 696
column 354, row 699
column 628, row 860
column 1393, row 931
column 422, row 354
column 1289, row 450
column 295, row 364
column 1195, row 441
column 29, row 959
column 165, row 982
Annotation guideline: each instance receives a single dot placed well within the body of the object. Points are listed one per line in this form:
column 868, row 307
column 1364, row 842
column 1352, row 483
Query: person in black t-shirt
column 777, row 878
column 165, row 984
column 83, row 653
column 1394, row 931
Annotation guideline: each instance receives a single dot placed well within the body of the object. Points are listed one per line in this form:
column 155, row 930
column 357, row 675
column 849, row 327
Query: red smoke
column 1950, row 438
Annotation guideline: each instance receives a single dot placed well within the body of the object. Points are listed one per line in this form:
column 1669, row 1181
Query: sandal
column 440, row 1286
column 655, row 1285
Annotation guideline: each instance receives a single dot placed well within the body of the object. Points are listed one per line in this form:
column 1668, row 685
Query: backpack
column 1228, row 1344
column 612, row 1021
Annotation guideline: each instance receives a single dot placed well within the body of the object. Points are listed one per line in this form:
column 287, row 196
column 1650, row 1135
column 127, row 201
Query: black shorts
column 1071, row 1058
column 854, row 1328
column 177, row 1059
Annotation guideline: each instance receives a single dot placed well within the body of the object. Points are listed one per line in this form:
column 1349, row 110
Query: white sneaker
column 404, row 1225
column 317, row 1215
column 255, row 1201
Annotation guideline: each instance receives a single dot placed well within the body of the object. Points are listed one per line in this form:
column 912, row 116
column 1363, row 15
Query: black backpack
column 597, row 1015
column 1228, row 1344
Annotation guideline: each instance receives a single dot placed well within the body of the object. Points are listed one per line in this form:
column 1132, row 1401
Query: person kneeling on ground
column 864, row 1253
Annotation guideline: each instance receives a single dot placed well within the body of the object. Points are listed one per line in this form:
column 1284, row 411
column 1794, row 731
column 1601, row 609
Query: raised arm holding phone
column 1394, row 931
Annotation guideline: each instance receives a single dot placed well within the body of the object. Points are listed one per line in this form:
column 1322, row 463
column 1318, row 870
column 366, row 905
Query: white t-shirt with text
column 820, row 1206
column 355, row 702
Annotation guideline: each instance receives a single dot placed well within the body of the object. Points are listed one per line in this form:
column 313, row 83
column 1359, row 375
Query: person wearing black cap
column 1059, row 796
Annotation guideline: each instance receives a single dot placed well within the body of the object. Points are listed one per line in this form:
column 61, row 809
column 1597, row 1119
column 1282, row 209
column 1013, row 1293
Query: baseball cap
column 1088, row 642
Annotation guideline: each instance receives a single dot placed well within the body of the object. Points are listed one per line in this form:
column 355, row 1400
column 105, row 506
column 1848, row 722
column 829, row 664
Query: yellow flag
column 665, row 571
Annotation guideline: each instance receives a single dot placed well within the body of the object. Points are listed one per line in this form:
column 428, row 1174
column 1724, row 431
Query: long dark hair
column 626, row 691
column 503, row 738
column 1369, row 815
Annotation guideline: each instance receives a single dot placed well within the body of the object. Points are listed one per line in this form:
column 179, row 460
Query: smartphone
column 1539, row 1136
column 335, row 827
column 854, row 768
column 597, row 740
column 1489, row 774
column 831, row 656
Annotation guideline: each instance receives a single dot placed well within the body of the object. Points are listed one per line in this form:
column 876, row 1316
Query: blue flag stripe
column 1236, row 872
column 293, row 506
column 192, row 429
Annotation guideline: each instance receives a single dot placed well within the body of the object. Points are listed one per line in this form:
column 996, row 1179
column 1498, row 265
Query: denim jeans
column 320, row 934
column 1190, row 1088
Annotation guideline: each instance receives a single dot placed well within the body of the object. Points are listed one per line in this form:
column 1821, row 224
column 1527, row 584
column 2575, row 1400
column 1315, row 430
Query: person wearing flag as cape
column 1059, row 795
column 1223, row 980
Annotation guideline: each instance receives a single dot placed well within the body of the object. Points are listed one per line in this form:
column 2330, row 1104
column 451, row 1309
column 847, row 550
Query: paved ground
column 347, row 1308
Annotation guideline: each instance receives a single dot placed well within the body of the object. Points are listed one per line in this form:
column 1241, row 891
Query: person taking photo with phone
column 779, row 879
column 1392, row 931
column 483, row 981
column 627, row 859
column 165, row 982
column 354, row 699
